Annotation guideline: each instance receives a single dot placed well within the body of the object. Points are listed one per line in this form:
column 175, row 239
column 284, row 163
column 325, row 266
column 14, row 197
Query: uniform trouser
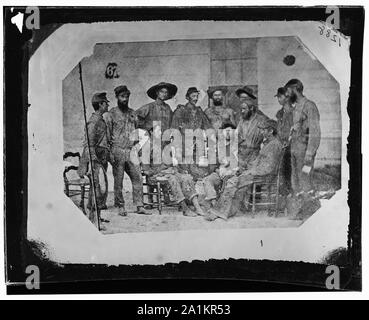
column 100, row 195
column 300, row 181
column 286, row 172
column 212, row 184
column 196, row 171
column 246, row 156
column 121, row 164
column 102, row 155
column 181, row 185
column 233, row 194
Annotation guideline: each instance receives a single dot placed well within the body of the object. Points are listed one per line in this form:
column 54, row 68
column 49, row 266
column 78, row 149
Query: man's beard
column 248, row 114
column 293, row 97
column 123, row 105
column 218, row 102
column 192, row 102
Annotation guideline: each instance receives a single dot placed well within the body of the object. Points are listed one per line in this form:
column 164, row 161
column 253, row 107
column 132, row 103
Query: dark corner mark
column 196, row 276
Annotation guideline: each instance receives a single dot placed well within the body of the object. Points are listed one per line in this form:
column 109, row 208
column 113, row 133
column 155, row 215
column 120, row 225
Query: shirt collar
column 159, row 102
column 303, row 99
column 189, row 105
column 97, row 114
column 271, row 138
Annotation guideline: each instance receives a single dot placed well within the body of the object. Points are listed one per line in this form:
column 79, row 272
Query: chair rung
column 266, row 194
column 156, row 205
column 266, row 184
column 263, row 203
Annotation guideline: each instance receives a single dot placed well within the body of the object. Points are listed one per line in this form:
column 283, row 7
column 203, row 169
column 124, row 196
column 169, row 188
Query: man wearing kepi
column 99, row 148
column 305, row 137
column 191, row 117
column 250, row 135
column 219, row 114
column 121, row 122
column 265, row 164
column 157, row 110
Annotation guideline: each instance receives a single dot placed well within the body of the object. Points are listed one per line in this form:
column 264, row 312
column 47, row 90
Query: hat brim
column 191, row 92
column 118, row 92
column 172, row 90
column 211, row 92
column 239, row 91
column 267, row 127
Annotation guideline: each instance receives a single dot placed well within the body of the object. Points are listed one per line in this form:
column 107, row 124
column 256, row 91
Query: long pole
column 89, row 148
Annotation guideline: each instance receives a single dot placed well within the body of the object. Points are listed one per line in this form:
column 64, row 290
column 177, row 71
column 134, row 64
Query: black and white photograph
column 171, row 140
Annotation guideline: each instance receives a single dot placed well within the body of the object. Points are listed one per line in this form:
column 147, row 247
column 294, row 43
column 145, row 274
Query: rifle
column 92, row 180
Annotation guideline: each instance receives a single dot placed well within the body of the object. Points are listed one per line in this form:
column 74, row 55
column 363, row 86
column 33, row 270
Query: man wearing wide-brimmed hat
column 219, row 114
column 121, row 122
column 250, row 135
column 157, row 110
column 236, row 187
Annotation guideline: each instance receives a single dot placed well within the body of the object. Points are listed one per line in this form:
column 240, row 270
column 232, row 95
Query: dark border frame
column 209, row 276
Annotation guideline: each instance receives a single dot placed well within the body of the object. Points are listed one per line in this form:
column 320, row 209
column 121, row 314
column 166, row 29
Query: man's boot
column 142, row 210
column 121, row 209
column 197, row 206
column 218, row 214
column 187, row 212
column 293, row 205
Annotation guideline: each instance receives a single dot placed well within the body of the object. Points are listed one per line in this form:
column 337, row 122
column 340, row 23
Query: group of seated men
column 262, row 142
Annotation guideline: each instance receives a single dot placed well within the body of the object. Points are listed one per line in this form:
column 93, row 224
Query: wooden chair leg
column 150, row 197
column 82, row 202
column 277, row 202
column 160, row 205
column 66, row 189
column 269, row 199
column 253, row 199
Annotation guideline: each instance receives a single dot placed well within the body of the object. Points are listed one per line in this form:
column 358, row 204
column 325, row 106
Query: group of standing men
column 262, row 143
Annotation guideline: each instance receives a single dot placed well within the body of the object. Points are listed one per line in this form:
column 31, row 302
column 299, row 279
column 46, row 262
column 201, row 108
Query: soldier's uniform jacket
column 268, row 159
column 306, row 134
column 120, row 126
column 189, row 117
column 250, row 136
column 97, row 134
column 154, row 111
column 220, row 115
column 284, row 123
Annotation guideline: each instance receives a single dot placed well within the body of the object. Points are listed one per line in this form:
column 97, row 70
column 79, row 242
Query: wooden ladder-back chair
column 156, row 193
column 267, row 186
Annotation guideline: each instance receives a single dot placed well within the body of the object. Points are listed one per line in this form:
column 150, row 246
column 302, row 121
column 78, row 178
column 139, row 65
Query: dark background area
column 209, row 276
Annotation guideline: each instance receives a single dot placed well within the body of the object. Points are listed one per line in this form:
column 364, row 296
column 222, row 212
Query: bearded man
column 250, row 135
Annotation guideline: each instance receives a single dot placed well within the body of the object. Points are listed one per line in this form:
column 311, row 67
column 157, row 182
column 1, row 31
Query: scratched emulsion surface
column 56, row 221
column 259, row 62
column 202, row 63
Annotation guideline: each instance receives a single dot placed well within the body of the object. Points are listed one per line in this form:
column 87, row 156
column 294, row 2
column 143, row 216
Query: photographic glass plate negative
column 221, row 141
